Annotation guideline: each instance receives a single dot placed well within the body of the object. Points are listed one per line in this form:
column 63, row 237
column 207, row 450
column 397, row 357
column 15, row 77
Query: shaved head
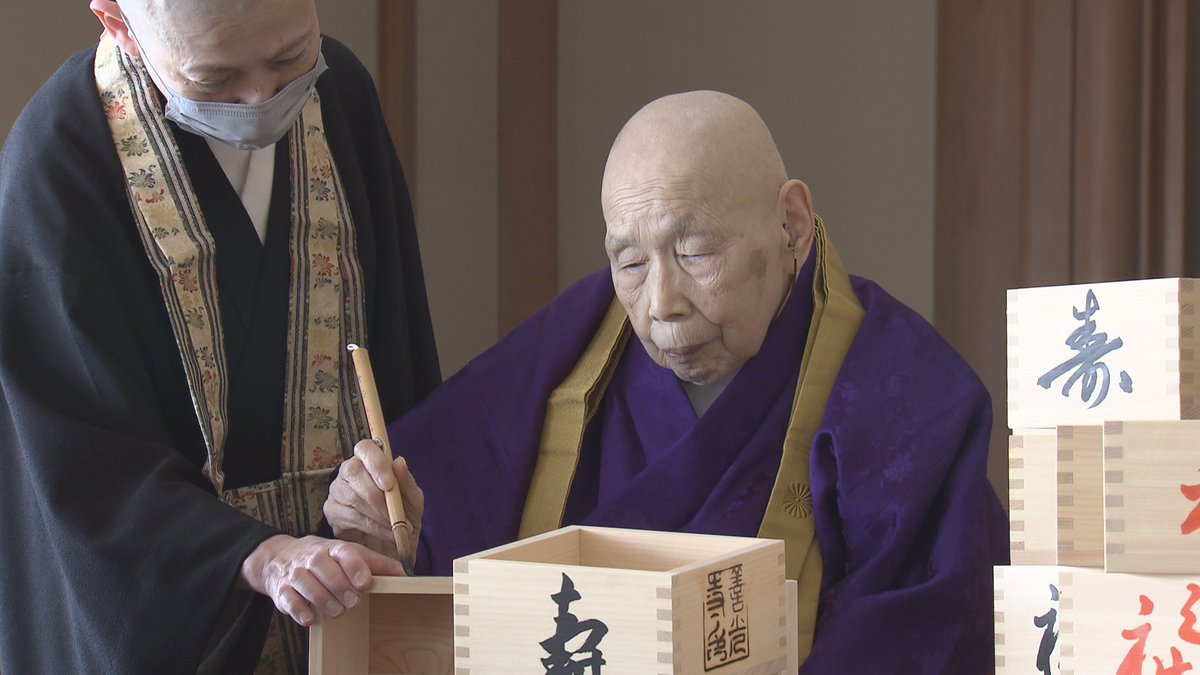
column 705, row 231
column 168, row 17
column 187, row 9
column 714, row 140
column 226, row 51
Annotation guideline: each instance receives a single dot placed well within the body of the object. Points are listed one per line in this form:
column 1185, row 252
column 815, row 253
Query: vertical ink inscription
column 1049, row 634
column 726, row 630
column 565, row 657
column 1089, row 347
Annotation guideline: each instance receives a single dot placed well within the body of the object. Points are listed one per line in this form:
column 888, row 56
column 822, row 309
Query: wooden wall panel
column 398, row 80
column 1046, row 241
column 1164, row 122
column 1107, row 139
column 527, row 158
column 982, row 189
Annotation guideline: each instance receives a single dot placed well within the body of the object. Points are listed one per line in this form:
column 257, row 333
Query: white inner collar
column 251, row 173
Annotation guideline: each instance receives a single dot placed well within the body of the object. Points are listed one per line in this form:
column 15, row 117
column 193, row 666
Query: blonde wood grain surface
column 1189, row 348
column 412, row 633
column 1033, row 497
column 559, row 547
column 656, row 551
column 341, row 646
column 1147, row 466
column 1105, row 616
column 402, row 626
column 1081, row 496
column 650, row 590
column 793, row 607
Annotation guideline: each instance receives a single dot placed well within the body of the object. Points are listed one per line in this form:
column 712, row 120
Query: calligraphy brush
column 378, row 426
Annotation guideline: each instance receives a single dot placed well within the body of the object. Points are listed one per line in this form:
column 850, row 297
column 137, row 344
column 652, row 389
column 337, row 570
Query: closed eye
column 209, row 86
column 284, row 63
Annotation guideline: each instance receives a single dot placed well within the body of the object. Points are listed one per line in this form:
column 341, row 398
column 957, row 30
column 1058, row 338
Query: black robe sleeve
column 403, row 354
column 115, row 554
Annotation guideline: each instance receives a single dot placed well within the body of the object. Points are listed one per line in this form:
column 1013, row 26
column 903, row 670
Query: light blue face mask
column 246, row 126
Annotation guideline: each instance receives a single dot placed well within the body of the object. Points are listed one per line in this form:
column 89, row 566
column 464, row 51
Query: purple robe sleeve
column 908, row 525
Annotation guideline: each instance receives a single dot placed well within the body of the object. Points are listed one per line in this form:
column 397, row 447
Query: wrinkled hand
column 309, row 575
column 356, row 509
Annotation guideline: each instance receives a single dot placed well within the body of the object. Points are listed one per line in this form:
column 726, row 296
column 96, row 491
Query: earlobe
column 110, row 16
column 796, row 204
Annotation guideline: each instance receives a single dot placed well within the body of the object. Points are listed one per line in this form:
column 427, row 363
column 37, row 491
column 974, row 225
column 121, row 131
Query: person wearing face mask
column 197, row 215
column 724, row 375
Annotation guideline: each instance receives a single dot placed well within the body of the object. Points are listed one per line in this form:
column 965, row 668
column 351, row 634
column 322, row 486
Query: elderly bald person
column 766, row 393
column 198, row 214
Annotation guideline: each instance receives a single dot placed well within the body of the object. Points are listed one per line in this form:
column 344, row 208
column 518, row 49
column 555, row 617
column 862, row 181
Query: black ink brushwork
column 1090, row 347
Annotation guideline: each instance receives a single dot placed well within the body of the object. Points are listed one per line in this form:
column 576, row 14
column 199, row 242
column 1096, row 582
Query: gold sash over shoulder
column 837, row 315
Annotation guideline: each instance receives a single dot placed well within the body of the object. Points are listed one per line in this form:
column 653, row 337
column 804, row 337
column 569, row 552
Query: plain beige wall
column 39, row 36
column 846, row 87
column 456, row 173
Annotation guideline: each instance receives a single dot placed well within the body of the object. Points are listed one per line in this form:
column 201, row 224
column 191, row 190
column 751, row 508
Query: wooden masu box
column 402, row 626
column 631, row 601
column 669, row 603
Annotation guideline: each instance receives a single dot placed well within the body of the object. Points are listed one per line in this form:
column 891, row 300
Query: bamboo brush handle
column 378, row 426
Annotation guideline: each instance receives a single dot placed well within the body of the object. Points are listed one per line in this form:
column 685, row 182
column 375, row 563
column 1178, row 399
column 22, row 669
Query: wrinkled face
column 242, row 58
column 701, row 284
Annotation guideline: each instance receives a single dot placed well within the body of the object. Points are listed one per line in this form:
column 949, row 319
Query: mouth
column 682, row 353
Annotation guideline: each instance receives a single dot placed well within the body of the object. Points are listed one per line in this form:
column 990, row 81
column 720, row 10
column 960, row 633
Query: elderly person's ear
column 114, row 24
column 796, row 203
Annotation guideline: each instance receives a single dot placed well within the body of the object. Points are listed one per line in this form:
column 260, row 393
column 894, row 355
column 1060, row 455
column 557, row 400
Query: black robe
column 115, row 554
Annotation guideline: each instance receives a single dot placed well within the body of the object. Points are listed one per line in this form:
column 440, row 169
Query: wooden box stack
column 1104, row 480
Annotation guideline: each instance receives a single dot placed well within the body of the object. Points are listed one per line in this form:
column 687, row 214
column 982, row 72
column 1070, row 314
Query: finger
column 385, row 546
column 325, row 587
column 414, row 500
column 347, row 522
column 408, row 484
column 288, row 601
column 360, row 564
column 356, row 488
column 377, row 464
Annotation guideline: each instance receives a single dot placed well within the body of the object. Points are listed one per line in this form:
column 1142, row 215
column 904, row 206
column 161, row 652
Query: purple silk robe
column 907, row 523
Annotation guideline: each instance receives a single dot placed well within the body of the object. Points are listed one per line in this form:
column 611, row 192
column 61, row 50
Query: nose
column 664, row 287
column 261, row 88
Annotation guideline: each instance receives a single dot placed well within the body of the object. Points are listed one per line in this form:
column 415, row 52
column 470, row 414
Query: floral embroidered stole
column 322, row 419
